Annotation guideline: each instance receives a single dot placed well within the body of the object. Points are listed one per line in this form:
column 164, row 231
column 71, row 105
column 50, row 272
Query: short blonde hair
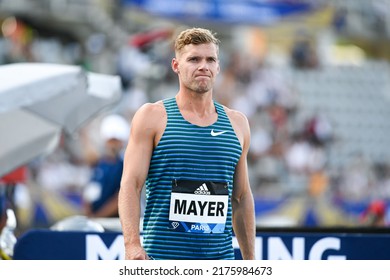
column 195, row 36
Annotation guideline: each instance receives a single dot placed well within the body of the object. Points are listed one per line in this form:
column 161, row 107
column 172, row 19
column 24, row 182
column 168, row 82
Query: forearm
column 129, row 214
column 244, row 225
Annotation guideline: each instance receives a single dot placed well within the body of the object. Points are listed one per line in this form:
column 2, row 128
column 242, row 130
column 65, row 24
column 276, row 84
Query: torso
column 187, row 151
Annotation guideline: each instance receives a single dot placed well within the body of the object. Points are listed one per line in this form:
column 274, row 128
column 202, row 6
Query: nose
column 203, row 66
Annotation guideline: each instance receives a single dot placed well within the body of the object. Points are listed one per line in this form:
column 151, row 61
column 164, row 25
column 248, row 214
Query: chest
column 183, row 142
column 204, row 120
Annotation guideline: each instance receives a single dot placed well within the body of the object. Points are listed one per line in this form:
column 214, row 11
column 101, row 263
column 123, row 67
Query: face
column 114, row 146
column 197, row 67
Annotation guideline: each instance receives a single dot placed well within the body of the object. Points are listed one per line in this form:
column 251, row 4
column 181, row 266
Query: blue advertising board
column 225, row 11
column 278, row 245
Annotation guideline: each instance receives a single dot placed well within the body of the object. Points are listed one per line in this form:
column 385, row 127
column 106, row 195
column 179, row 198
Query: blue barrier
column 270, row 245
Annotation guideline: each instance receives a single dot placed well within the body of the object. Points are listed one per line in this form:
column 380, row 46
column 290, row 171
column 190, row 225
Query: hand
column 136, row 253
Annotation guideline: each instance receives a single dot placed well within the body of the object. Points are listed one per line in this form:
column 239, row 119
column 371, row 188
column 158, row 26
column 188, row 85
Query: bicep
column 241, row 177
column 139, row 149
column 241, row 180
column 136, row 161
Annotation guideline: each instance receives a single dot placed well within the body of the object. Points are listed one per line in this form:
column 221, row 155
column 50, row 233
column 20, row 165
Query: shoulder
column 150, row 119
column 240, row 125
column 237, row 118
column 156, row 109
column 149, row 113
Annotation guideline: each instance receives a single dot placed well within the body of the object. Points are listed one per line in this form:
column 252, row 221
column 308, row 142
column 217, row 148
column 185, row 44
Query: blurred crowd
column 286, row 159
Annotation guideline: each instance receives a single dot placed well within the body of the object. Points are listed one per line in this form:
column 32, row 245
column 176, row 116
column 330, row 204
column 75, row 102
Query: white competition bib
column 198, row 206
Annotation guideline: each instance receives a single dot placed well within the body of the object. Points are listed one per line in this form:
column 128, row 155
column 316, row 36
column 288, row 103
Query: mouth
column 202, row 76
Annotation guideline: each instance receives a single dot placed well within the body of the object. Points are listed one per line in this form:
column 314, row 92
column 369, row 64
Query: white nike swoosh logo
column 213, row 133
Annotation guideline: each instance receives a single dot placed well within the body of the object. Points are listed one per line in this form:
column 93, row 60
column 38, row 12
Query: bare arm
column 144, row 129
column 242, row 198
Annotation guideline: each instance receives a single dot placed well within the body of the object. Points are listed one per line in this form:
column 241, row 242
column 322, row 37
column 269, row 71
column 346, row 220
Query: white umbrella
column 39, row 100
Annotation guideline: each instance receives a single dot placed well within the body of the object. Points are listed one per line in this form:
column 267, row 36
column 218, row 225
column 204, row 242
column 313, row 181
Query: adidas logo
column 202, row 190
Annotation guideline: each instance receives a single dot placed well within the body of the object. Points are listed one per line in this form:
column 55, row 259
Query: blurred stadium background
column 313, row 77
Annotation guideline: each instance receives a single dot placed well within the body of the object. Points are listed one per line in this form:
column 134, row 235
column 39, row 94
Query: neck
column 199, row 104
column 199, row 111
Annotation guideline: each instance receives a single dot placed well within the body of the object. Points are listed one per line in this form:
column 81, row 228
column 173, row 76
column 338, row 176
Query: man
column 101, row 193
column 191, row 151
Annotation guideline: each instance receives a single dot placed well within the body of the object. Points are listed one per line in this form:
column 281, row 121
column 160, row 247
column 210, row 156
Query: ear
column 175, row 65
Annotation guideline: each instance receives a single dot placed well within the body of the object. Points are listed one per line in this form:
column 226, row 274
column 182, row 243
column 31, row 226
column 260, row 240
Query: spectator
column 303, row 53
column 375, row 214
column 101, row 194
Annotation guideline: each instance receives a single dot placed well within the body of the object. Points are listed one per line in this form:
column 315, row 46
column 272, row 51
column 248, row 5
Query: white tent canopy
column 38, row 101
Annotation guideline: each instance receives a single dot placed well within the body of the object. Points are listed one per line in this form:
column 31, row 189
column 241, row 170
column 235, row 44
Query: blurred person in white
column 306, row 165
column 100, row 196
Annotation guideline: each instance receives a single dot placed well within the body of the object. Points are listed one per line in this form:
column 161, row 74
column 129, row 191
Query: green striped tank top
column 195, row 154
